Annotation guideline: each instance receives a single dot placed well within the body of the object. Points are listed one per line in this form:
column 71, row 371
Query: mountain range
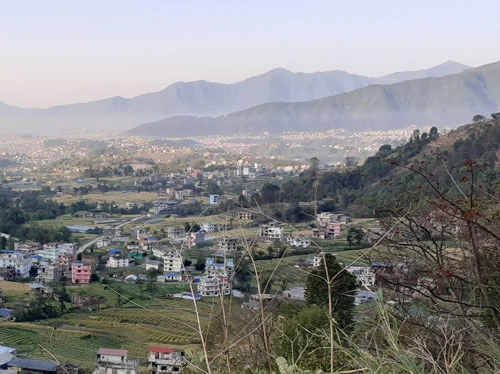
column 182, row 100
column 448, row 100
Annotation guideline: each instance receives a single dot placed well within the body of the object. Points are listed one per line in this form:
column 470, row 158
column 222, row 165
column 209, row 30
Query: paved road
column 93, row 241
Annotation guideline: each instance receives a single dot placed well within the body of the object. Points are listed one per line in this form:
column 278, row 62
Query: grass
column 140, row 322
column 13, row 288
column 116, row 196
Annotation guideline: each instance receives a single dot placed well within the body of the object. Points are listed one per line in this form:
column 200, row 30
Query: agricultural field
column 13, row 288
column 118, row 197
column 135, row 325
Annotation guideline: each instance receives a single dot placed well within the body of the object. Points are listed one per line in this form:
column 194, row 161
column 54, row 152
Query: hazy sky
column 57, row 52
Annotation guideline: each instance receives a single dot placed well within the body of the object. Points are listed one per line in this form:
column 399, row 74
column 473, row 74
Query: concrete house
column 16, row 262
column 272, row 231
column 164, row 360
column 115, row 361
column 80, row 273
column 175, row 232
column 214, row 199
column 227, row 245
column 48, row 272
column 118, row 262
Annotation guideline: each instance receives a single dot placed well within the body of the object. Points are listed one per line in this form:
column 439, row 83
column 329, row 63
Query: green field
column 135, row 325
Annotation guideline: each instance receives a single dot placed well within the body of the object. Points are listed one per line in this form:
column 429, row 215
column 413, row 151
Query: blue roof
column 33, row 364
column 151, row 239
column 172, row 275
column 80, row 228
column 380, row 265
column 6, row 312
column 114, row 250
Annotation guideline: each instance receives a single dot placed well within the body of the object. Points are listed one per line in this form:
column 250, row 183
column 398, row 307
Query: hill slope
column 447, row 100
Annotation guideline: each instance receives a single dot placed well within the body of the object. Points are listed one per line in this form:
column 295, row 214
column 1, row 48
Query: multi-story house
column 48, row 253
column 28, row 247
column 80, row 273
column 118, row 262
column 365, row 276
column 15, row 262
column 333, row 230
column 214, row 286
column 298, row 241
column 227, row 244
column 164, row 360
column 209, row 227
column 115, row 361
column 175, row 232
column 244, row 215
column 324, row 218
column 195, row 238
column 272, row 231
column 222, row 269
column 172, row 262
column 48, row 272
column 148, row 244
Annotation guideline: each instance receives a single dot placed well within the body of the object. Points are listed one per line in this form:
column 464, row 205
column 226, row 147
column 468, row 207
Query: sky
column 59, row 52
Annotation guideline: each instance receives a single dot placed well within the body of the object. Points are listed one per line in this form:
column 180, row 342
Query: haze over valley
column 255, row 187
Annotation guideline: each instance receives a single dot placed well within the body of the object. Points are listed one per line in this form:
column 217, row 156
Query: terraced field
column 33, row 341
column 76, row 337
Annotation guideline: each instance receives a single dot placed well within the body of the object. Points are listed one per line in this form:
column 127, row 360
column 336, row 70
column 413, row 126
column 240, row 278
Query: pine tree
column 342, row 286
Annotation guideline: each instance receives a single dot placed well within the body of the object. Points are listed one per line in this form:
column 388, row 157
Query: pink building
column 333, row 230
column 80, row 273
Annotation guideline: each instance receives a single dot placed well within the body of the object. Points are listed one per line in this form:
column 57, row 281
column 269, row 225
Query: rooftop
column 161, row 349
column 112, row 352
column 23, row 363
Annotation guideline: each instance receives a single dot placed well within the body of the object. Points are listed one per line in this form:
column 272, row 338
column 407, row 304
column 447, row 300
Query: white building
column 297, row 293
column 115, row 361
column 219, row 269
column 117, row 262
column 272, row 231
column 210, row 227
column 172, row 260
column 20, row 263
column 214, row 286
column 298, row 241
column 365, row 276
column 103, row 243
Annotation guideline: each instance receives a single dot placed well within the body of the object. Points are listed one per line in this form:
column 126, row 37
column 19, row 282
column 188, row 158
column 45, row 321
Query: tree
column 191, row 227
column 354, row 236
column 495, row 115
column 61, row 294
column 330, row 278
column 478, row 118
column 200, row 264
column 433, row 133
column 33, row 271
column 270, row 193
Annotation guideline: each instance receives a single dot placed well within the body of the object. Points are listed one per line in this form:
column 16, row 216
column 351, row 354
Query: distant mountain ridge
column 448, row 100
column 202, row 98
